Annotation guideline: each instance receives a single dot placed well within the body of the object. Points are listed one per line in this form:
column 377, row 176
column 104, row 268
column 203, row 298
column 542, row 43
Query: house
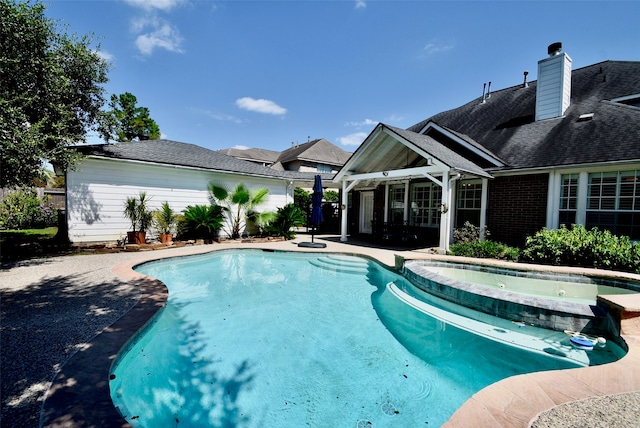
column 319, row 156
column 564, row 149
column 168, row 171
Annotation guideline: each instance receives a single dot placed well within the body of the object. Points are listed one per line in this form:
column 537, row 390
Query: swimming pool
column 253, row 338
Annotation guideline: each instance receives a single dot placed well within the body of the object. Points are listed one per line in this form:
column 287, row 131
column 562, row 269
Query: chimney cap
column 554, row 48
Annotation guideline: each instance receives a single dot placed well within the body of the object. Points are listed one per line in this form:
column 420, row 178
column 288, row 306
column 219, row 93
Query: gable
column 393, row 149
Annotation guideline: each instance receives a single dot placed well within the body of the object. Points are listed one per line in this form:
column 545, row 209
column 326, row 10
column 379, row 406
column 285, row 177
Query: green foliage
column 23, row 209
column 577, row 246
column 202, row 221
column 260, row 220
column 138, row 212
column 468, row 233
column 468, row 244
column 331, row 196
column 302, row 199
column 50, row 91
column 287, row 217
column 238, row 202
column 127, row 122
column 165, row 218
column 485, row 249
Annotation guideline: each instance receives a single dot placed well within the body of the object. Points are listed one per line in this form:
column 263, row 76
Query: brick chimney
column 553, row 92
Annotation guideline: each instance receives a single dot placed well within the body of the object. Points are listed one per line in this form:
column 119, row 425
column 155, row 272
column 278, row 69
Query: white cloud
column 437, row 47
column 366, row 122
column 260, row 106
column 353, row 139
column 240, row 147
column 105, row 55
column 154, row 4
column 158, row 33
column 225, row 118
column 361, row 4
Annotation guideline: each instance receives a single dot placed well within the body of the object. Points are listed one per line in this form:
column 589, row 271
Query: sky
column 267, row 74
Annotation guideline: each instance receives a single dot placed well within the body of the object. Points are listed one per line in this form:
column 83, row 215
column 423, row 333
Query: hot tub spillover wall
column 534, row 310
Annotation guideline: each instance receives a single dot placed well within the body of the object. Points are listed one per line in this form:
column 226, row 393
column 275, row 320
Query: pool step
column 342, row 264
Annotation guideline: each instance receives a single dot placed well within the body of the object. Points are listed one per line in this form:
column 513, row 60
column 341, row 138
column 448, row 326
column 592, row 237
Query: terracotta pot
column 136, row 237
column 166, row 238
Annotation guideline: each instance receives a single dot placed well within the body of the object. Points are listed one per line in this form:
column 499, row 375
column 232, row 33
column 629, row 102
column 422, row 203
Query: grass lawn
column 27, row 243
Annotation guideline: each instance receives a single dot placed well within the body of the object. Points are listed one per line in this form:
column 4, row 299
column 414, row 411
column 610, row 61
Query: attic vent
column 585, row 117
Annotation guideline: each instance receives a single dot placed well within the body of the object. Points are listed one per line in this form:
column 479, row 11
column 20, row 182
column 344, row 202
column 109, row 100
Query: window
column 323, row 169
column 568, row 198
column 425, row 205
column 396, row 204
column 613, row 202
column 469, row 201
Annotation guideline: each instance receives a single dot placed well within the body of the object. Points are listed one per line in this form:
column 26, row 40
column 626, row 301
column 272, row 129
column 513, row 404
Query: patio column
column 445, row 223
column 345, row 211
column 483, row 208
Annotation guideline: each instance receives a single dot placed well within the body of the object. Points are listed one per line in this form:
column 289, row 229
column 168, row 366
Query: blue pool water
column 262, row 339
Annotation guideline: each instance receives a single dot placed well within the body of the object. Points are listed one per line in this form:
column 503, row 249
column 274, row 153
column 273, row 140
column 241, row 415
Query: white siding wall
column 97, row 189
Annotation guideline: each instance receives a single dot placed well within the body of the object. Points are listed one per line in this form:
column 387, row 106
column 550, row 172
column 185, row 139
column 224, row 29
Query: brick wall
column 517, row 207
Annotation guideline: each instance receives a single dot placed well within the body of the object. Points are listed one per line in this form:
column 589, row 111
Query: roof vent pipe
column 489, row 91
column 525, row 84
column 484, row 87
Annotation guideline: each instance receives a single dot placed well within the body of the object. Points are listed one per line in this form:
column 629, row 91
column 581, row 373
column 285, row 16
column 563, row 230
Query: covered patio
column 404, row 186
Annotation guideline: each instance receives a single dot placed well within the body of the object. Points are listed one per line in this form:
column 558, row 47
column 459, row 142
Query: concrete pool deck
column 79, row 395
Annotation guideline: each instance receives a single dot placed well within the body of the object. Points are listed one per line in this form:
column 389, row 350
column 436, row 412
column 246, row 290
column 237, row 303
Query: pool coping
column 79, row 394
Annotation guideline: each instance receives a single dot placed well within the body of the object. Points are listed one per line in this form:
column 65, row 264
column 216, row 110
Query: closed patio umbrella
column 316, row 212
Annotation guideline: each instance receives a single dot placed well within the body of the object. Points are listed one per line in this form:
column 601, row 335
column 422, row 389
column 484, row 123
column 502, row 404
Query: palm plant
column 145, row 215
column 131, row 211
column 287, row 217
column 140, row 216
column 165, row 218
column 203, row 221
column 239, row 203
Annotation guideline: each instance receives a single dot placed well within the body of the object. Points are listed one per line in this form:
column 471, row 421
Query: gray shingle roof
column 440, row 151
column 253, row 155
column 505, row 125
column 169, row 152
column 320, row 150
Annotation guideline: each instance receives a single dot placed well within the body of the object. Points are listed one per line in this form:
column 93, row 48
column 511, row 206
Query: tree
column 331, row 196
column 126, row 122
column 238, row 202
column 50, row 92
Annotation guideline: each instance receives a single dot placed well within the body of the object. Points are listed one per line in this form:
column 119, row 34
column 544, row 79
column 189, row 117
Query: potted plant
column 138, row 213
column 165, row 221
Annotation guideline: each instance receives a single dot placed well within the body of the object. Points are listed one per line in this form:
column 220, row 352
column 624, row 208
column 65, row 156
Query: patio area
column 69, row 316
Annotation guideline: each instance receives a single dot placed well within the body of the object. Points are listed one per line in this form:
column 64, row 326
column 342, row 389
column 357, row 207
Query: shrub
column 485, row 249
column 577, row 246
column 468, row 233
column 23, row 209
column 287, row 217
column 468, row 244
column 202, row 221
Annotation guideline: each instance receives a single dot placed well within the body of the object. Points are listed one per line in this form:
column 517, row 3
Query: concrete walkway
column 79, row 395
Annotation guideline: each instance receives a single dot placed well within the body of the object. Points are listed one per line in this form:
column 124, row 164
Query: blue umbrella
column 316, row 204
